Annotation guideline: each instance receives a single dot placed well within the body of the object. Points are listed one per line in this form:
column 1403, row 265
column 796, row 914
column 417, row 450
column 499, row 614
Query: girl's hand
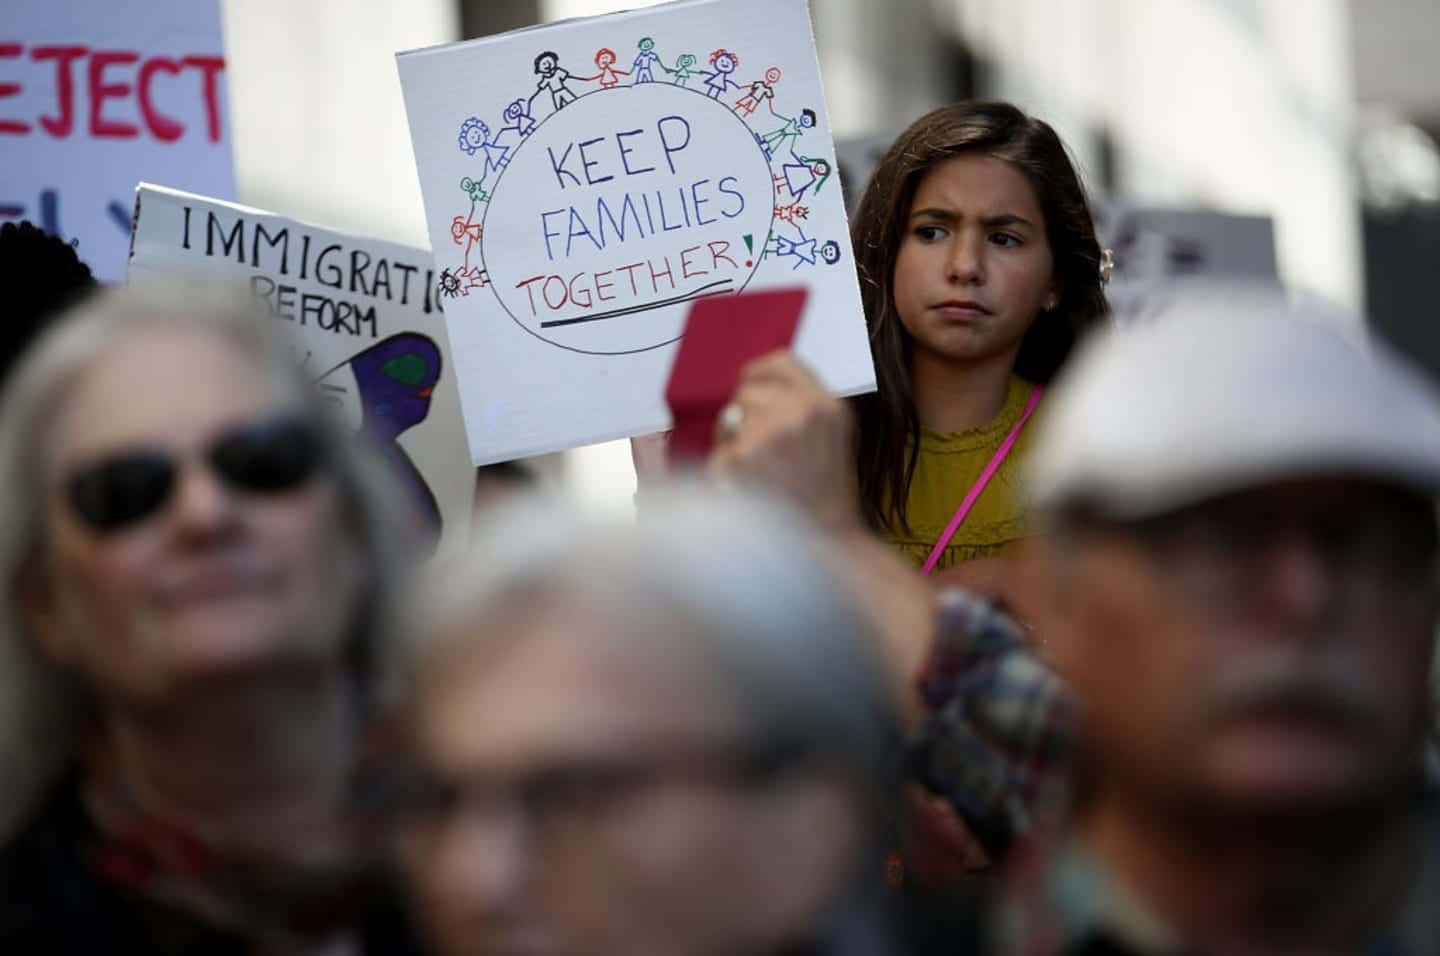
column 794, row 439
column 784, row 432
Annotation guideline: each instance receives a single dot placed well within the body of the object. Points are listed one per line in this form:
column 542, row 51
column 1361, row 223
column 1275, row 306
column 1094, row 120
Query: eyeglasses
column 1219, row 552
column 265, row 457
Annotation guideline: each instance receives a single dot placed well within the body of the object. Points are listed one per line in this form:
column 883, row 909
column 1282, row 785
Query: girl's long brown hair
column 888, row 445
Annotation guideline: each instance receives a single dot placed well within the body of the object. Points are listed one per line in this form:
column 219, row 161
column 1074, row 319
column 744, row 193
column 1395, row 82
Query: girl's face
column 974, row 268
column 724, row 64
column 605, row 58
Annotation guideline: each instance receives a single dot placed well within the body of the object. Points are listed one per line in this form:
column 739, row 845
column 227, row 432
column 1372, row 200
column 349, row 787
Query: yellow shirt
column 948, row 465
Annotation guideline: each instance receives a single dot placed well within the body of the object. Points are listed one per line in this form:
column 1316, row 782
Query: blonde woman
column 196, row 583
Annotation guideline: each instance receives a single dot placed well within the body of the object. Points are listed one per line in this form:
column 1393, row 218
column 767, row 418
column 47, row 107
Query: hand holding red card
column 722, row 335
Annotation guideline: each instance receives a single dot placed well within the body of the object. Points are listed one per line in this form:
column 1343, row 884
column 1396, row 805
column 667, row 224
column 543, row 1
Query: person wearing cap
column 1239, row 582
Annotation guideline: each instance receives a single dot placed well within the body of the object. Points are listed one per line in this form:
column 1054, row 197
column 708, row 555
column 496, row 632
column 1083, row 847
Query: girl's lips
column 960, row 310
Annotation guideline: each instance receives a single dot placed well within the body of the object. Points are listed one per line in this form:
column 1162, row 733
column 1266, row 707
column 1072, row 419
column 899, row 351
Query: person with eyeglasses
column 1240, row 586
column 199, row 574
column 619, row 741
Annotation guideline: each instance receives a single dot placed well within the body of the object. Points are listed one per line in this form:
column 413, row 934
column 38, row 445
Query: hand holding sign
column 721, row 337
column 795, row 439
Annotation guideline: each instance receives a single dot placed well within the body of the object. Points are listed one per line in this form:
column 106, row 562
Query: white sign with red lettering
column 585, row 182
column 96, row 96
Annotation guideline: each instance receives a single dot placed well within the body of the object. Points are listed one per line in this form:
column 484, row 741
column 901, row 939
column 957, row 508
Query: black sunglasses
column 265, row 457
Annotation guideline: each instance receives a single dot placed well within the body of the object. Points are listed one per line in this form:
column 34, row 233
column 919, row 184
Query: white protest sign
column 96, row 96
column 365, row 321
column 585, row 182
column 1160, row 251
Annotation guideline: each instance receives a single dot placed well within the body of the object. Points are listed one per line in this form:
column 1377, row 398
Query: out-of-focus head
column 658, row 739
column 42, row 276
column 179, row 511
column 1243, row 558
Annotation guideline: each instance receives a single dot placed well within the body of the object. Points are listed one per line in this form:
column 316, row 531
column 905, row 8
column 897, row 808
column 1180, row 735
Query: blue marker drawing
column 807, row 175
column 645, row 61
column 804, row 251
column 723, row 63
column 475, row 138
column 517, row 119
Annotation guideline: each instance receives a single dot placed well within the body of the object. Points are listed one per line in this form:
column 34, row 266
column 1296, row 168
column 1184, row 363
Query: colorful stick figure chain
column 555, row 87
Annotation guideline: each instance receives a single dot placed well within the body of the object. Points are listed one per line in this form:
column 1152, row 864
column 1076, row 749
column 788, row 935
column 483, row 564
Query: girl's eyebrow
column 935, row 212
column 1005, row 219
column 999, row 220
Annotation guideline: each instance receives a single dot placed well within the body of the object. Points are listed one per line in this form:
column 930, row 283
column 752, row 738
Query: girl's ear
column 1057, row 292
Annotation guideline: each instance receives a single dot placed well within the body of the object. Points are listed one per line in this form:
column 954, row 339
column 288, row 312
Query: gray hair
column 42, row 707
column 747, row 577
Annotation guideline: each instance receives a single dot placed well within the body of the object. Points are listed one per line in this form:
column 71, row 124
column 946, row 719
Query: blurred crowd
column 1069, row 639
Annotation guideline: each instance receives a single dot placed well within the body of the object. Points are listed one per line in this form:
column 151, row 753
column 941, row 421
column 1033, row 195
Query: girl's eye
column 1006, row 240
column 929, row 233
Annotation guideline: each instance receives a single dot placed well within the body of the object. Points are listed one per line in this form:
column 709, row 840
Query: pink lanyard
column 970, row 497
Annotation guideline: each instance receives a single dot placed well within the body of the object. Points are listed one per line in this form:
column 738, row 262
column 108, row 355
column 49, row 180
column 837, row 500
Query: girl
column 979, row 271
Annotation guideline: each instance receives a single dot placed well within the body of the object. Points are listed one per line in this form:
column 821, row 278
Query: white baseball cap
column 1216, row 395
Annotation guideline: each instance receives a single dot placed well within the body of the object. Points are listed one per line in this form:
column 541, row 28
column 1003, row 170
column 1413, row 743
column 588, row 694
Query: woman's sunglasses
column 265, row 457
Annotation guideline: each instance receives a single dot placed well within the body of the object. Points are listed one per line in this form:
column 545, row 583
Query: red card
column 722, row 335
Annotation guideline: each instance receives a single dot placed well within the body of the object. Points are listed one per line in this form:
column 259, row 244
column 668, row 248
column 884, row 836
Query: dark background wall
column 1402, row 280
column 480, row 18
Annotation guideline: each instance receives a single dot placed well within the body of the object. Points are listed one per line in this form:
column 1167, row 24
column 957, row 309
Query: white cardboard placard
column 585, row 181
column 96, row 96
column 365, row 319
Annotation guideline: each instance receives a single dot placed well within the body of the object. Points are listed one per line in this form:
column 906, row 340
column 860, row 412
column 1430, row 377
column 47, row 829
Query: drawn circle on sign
column 614, row 214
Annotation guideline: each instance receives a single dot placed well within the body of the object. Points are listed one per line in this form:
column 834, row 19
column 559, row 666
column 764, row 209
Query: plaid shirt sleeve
column 999, row 726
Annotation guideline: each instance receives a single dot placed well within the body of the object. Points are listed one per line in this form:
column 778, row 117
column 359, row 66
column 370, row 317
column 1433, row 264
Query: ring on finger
column 732, row 417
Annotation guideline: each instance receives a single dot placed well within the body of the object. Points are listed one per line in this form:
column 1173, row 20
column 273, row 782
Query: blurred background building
column 1322, row 115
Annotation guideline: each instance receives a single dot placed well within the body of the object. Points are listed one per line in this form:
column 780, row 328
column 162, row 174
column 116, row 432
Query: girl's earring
column 1107, row 266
